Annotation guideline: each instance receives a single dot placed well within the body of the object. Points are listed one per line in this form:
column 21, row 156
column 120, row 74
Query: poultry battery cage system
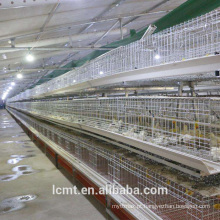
column 147, row 140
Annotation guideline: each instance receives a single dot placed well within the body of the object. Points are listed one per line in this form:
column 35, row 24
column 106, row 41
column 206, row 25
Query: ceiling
column 53, row 24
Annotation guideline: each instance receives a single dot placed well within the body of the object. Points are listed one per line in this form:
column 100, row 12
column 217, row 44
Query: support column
column 126, row 93
column 180, row 89
column 121, row 31
column 192, row 88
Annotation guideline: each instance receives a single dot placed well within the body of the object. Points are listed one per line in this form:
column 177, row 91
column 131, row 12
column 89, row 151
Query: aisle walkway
column 25, row 170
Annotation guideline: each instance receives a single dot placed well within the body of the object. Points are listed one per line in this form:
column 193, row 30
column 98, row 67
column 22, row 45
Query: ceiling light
column 30, row 57
column 13, row 83
column 4, row 96
column 157, row 57
column 101, row 72
column 74, row 80
column 10, row 88
column 19, row 76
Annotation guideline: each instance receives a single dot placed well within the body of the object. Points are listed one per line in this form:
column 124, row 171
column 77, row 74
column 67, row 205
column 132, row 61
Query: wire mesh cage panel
column 195, row 38
column 99, row 162
column 70, row 147
column 188, row 124
column 179, row 203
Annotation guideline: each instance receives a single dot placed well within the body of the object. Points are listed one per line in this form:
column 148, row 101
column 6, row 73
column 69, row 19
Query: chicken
column 214, row 141
column 155, row 130
column 194, row 132
column 157, row 126
column 160, row 139
column 172, row 140
column 175, row 128
column 215, row 152
column 142, row 135
column 115, row 126
column 131, row 132
column 185, row 130
column 185, row 139
column 215, row 119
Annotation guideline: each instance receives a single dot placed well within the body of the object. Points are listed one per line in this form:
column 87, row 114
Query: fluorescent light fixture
column 4, row 56
column 157, row 57
column 30, row 57
column 13, row 83
column 19, row 76
column 101, row 72
column 150, row 30
column 4, row 95
column 74, row 80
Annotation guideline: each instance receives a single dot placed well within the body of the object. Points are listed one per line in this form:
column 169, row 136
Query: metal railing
column 195, row 38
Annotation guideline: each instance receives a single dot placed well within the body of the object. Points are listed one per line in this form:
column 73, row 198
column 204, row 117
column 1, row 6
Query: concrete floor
column 13, row 141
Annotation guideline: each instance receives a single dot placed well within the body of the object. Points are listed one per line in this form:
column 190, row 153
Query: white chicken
column 171, row 140
column 159, row 139
column 142, row 135
column 185, row 139
column 115, row 126
column 131, row 132
column 215, row 152
column 215, row 146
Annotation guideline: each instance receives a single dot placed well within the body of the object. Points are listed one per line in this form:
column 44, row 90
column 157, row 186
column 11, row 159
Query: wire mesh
column 192, row 39
column 190, row 125
column 122, row 171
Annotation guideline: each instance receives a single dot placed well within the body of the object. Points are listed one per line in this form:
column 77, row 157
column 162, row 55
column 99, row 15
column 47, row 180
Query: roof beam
column 106, row 33
column 50, row 15
column 146, row 11
column 5, row 49
column 80, row 23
